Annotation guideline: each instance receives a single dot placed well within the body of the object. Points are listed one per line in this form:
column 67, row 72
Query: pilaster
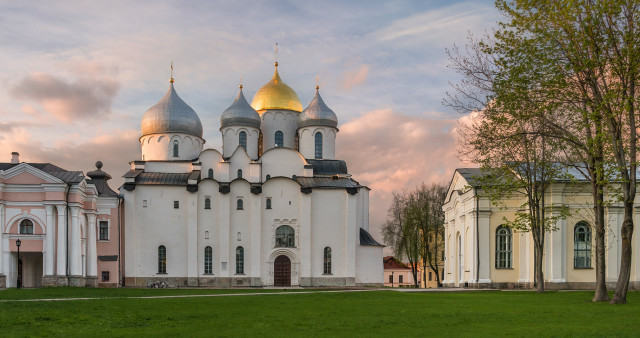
column 61, row 255
column 49, row 254
column 92, row 258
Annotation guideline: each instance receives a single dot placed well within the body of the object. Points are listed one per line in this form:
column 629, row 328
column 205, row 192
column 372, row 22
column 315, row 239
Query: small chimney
column 15, row 157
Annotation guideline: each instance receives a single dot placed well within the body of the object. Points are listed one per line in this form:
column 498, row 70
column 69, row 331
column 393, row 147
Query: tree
column 400, row 234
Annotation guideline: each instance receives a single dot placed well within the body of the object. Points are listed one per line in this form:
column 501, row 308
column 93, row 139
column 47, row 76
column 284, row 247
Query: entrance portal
column 30, row 269
column 282, row 271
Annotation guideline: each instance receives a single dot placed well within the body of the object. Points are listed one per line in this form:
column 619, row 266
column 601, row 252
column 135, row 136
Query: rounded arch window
column 239, row 173
column 285, row 236
column 318, row 145
column 208, row 260
column 279, row 139
column 327, row 261
column 207, row 203
column 210, row 173
column 240, row 205
column 582, row 246
column 26, row 227
column 175, row 148
column 242, row 139
column 503, row 247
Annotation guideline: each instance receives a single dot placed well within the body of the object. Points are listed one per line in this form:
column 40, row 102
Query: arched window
column 162, row 259
column 268, row 176
column 210, row 174
column 285, row 236
column 239, row 173
column 175, row 148
column 503, row 247
column 582, row 246
column 318, row 145
column 239, row 236
column 268, row 203
column 242, row 139
column 327, row 261
column 207, row 203
column 239, row 205
column 26, row 227
column 279, row 139
column 239, row 260
column 208, row 260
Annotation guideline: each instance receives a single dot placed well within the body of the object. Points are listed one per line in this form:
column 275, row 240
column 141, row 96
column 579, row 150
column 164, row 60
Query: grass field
column 371, row 313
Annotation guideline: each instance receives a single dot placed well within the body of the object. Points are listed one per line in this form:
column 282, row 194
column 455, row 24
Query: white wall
column 159, row 147
column 274, row 120
column 308, row 142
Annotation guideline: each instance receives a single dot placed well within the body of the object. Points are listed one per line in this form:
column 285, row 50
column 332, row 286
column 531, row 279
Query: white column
column 2, row 225
column 352, row 236
column 524, row 257
column 613, row 251
column 484, row 233
column 75, row 256
column 556, row 254
column 51, row 242
column 255, row 235
column 191, row 214
column 62, row 241
column 226, row 242
column 92, row 257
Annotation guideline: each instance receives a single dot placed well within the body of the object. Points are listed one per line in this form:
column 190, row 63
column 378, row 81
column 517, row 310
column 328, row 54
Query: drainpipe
column 120, row 282
column 475, row 189
column 67, row 228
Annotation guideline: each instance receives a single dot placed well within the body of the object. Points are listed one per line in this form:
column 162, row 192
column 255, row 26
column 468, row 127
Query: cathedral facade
column 273, row 207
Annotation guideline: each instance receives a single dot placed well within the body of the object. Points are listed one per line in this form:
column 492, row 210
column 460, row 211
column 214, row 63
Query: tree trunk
column 620, row 296
column 539, row 278
column 598, row 207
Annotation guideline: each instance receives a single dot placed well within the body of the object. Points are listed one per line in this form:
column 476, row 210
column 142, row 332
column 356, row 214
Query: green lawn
column 372, row 313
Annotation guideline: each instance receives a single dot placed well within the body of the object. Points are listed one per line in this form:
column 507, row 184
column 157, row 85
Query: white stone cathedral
column 274, row 208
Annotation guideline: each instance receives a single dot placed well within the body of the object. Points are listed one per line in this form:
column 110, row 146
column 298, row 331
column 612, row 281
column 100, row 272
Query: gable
column 26, row 174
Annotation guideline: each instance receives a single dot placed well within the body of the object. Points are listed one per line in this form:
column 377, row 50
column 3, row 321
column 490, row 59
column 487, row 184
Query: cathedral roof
column 171, row 115
column 276, row 95
column 317, row 114
column 240, row 113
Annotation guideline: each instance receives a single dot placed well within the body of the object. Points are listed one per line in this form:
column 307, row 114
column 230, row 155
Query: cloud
column 89, row 96
column 355, row 77
column 389, row 151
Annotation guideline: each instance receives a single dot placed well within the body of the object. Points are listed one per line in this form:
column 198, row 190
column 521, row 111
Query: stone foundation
column 327, row 281
column 54, row 281
column 3, row 282
column 108, row 285
column 77, row 281
column 91, row 282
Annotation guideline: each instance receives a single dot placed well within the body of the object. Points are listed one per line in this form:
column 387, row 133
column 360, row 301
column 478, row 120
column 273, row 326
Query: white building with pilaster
column 274, row 207
column 481, row 252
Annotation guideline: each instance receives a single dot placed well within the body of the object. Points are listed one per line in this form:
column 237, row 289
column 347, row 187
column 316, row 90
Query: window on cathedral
column 279, row 139
column 210, row 173
column 239, row 205
column 268, row 177
column 239, row 260
column 105, row 276
column 269, row 203
column 162, row 259
column 285, row 236
column 175, row 148
column 239, row 173
column 327, row 261
column 176, row 204
column 239, row 236
column 318, row 145
column 104, row 230
column 242, row 139
column 582, row 246
column 26, row 227
column 503, row 247
column 208, row 260
column 207, row 203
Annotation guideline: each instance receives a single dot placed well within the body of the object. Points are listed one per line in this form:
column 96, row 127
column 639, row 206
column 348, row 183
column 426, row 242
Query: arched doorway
column 282, row 271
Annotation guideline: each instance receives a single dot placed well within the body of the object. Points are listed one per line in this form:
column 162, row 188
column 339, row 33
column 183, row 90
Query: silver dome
column 317, row 114
column 171, row 115
column 240, row 113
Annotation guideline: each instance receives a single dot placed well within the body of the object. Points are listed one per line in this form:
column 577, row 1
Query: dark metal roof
column 71, row 177
column 471, row 175
column 328, row 167
column 163, row 178
column 327, row 182
column 132, row 173
column 367, row 239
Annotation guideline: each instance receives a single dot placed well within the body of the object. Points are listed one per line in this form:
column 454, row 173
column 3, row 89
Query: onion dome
column 240, row 113
column 317, row 114
column 276, row 95
column 171, row 115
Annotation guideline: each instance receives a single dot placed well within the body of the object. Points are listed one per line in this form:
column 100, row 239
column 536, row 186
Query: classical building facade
column 273, row 207
column 481, row 251
column 66, row 223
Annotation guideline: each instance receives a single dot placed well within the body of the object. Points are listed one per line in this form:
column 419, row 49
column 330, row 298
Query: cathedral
column 274, row 207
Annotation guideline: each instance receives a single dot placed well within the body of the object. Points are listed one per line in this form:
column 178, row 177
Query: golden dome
column 276, row 95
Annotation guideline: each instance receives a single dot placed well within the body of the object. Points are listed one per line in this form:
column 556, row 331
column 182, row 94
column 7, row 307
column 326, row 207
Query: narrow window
column 175, row 148
column 239, row 260
column 430, row 276
column 176, row 204
column 239, row 173
column 279, row 139
column 162, row 259
column 144, row 203
column 582, row 246
column 207, row 203
column 318, row 145
column 26, row 227
column 503, row 247
column 239, row 236
column 390, row 279
column 105, row 276
column 240, row 205
column 400, row 279
column 268, row 177
column 104, row 230
column 327, row 261
column 285, row 236
column 268, row 203
column 210, row 173
column 242, row 138
column 208, row 260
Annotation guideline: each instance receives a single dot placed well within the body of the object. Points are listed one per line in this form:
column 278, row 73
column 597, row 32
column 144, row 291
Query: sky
column 77, row 76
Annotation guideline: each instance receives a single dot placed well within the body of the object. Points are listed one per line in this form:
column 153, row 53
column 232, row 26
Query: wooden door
column 282, row 271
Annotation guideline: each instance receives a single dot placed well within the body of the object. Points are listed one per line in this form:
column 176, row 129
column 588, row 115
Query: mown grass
column 373, row 313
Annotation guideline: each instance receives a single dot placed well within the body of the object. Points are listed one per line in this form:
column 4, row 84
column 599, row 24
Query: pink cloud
column 355, row 77
column 389, row 151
